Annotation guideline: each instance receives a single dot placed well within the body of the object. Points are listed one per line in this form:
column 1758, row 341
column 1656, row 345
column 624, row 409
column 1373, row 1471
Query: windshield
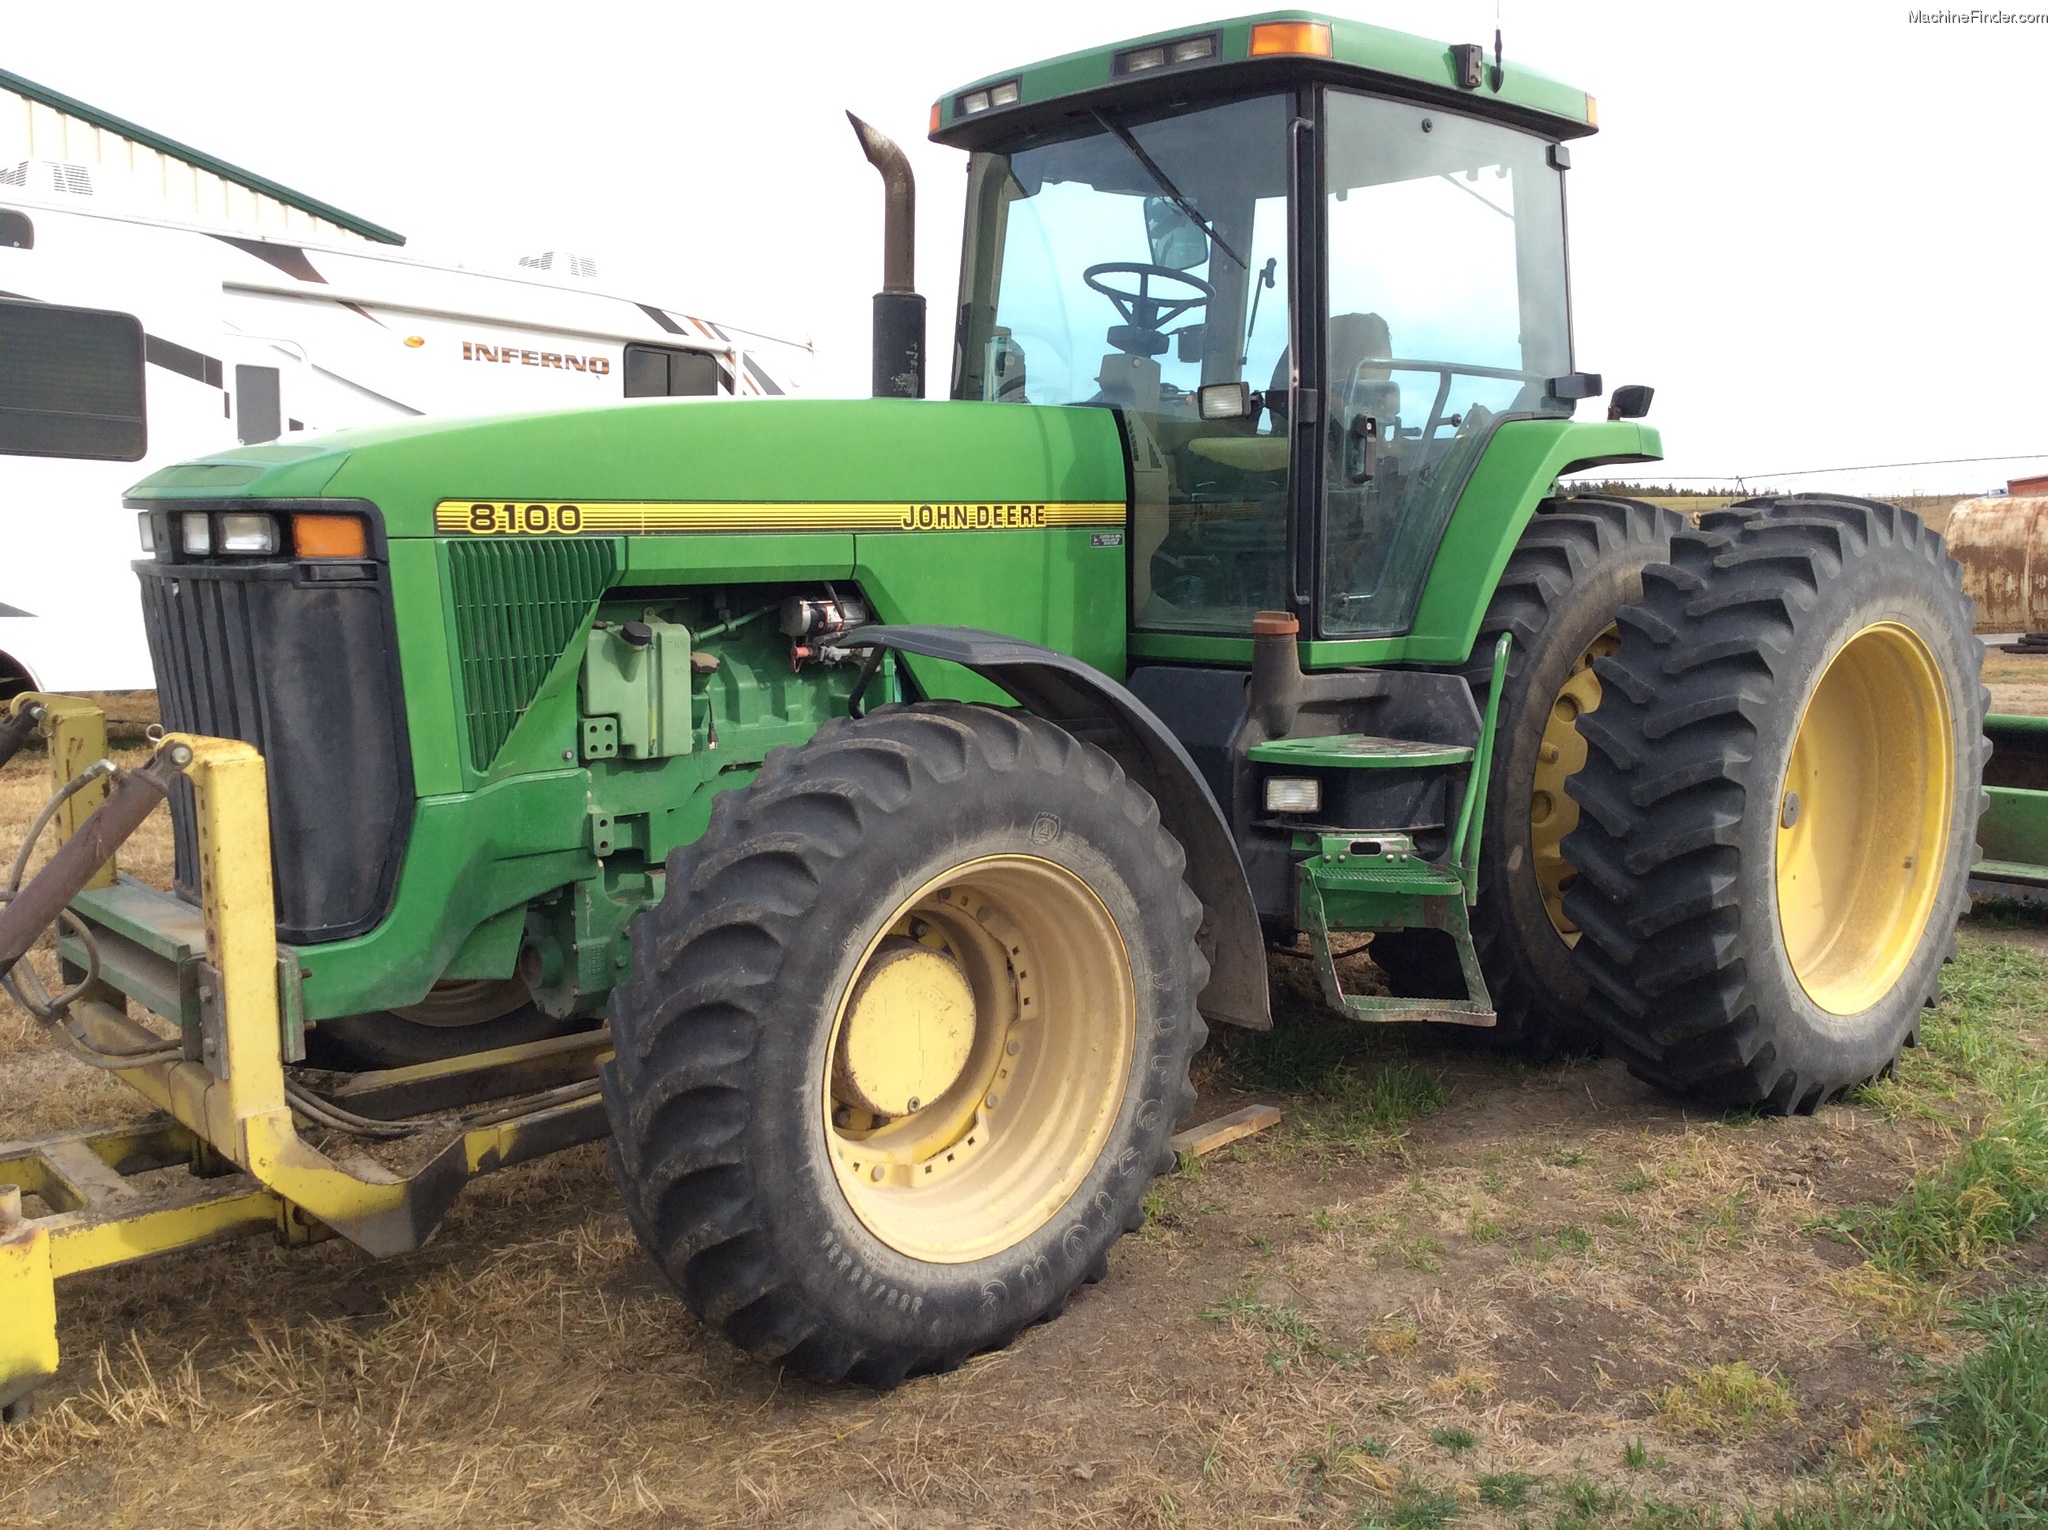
column 1130, row 265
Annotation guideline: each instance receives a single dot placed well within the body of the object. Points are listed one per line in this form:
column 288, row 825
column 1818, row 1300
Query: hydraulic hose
column 27, row 911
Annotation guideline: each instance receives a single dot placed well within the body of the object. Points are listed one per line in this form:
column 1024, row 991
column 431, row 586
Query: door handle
column 1362, row 449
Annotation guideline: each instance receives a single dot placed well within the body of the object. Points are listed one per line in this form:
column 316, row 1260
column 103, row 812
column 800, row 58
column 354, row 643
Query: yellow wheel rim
column 1863, row 818
column 1562, row 755
column 979, row 1058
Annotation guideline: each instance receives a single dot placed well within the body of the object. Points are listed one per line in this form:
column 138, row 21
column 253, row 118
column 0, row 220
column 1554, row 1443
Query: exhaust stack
column 899, row 310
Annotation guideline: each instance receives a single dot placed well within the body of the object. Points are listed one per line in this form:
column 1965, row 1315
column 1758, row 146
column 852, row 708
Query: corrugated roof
column 59, row 102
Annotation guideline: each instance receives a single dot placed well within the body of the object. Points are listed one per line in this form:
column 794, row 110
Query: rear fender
column 1099, row 711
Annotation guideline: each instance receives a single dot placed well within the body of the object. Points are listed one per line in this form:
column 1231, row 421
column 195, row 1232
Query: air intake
column 517, row 605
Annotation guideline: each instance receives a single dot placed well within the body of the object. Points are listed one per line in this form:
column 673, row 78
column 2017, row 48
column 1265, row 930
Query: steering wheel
column 1145, row 309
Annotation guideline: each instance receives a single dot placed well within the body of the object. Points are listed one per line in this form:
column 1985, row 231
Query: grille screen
column 306, row 672
column 517, row 604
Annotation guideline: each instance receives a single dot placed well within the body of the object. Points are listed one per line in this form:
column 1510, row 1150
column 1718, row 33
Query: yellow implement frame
column 228, row 1119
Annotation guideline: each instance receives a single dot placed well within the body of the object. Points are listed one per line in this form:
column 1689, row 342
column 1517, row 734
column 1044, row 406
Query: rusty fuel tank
column 2002, row 544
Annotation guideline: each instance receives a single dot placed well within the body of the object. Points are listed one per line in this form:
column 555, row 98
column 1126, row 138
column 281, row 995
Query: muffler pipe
column 899, row 310
column 1276, row 680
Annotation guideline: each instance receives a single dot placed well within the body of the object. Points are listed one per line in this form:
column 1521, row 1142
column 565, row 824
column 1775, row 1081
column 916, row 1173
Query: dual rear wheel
column 1733, row 811
column 1779, row 804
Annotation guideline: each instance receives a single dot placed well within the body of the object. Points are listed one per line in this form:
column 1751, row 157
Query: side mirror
column 1630, row 402
column 1178, row 243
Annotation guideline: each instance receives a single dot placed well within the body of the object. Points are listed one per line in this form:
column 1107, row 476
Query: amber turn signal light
column 330, row 536
column 1276, row 37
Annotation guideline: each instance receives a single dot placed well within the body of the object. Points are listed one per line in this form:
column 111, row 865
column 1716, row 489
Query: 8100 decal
column 532, row 520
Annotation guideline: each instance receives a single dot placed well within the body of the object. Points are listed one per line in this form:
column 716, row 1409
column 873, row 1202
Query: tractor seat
column 1353, row 343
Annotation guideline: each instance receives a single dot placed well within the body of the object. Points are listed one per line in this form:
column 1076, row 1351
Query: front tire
column 904, row 1040
column 1780, row 802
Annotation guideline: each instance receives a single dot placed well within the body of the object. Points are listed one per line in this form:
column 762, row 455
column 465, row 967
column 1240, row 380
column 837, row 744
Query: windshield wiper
column 1165, row 184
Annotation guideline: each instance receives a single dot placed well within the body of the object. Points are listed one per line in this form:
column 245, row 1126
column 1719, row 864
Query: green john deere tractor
column 909, row 785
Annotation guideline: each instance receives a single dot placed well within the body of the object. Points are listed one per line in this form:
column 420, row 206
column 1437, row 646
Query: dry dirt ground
column 1446, row 1288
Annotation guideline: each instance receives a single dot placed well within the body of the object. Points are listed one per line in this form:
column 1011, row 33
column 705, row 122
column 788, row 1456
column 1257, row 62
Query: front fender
column 1098, row 710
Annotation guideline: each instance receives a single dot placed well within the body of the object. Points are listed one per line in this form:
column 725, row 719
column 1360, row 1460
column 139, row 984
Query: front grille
column 517, row 604
column 305, row 668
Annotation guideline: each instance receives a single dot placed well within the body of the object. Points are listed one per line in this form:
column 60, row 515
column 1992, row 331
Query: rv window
column 259, row 414
column 16, row 232
column 70, row 383
column 655, row 371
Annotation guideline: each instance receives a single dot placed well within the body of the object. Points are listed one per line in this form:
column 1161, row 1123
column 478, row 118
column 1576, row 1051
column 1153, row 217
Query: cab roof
column 1245, row 53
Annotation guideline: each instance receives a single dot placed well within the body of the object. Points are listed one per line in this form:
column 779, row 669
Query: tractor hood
column 740, row 464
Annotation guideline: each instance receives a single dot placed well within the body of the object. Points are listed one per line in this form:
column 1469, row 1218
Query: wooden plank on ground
column 1224, row 1130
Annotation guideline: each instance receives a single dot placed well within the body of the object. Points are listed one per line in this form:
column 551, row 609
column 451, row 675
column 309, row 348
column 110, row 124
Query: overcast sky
column 1817, row 229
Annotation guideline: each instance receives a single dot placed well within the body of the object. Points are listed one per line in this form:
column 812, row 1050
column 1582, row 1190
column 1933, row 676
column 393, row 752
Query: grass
column 1726, row 1402
column 1299, row 1339
column 1351, row 1089
column 1982, row 1458
column 1452, row 1438
column 1982, row 1203
column 1506, row 1490
column 1974, row 1056
column 1416, row 1506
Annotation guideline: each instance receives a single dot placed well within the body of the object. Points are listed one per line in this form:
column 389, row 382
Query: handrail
column 1468, row 837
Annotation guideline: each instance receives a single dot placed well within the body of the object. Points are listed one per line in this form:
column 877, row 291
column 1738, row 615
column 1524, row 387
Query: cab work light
column 975, row 101
column 1179, row 50
column 1271, row 38
column 1224, row 401
column 248, row 535
column 330, row 536
column 1293, row 794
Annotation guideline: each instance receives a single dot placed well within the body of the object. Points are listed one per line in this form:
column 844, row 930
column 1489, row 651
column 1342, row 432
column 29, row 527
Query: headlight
column 195, row 535
column 1293, row 794
column 248, row 534
column 147, row 532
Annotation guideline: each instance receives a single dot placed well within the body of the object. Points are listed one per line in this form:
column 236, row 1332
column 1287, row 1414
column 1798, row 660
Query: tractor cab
column 1311, row 269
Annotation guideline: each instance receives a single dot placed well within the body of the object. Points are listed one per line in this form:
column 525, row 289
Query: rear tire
column 757, row 1138
column 1578, row 563
column 1780, row 803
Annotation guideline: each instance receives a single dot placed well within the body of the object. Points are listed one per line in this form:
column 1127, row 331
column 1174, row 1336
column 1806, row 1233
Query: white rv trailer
column 157, row 304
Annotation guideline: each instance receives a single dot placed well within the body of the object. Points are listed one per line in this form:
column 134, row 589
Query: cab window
column 1445, row 269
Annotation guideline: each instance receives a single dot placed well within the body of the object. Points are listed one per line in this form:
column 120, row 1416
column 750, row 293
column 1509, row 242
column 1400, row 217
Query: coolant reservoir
column 2002, row 544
